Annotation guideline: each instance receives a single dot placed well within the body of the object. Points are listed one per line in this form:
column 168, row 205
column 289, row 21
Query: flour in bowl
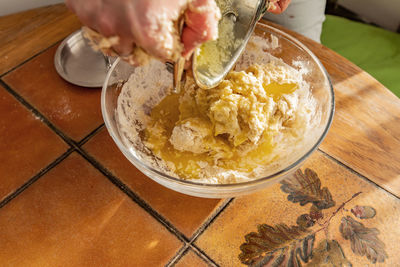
column 249, row 126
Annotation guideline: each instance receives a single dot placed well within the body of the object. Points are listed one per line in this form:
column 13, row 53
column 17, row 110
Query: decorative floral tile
column 74, row 216
column 74, row 110
column 184, row 212
column 323, row 216
column 26, row 144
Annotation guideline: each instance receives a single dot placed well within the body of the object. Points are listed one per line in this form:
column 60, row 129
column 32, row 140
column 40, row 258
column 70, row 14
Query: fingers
column 124, row 47
column 70, row 5
column 150, row 24
column 85, row 10
column 201, row 19
column 109, row 25
column 278, row 6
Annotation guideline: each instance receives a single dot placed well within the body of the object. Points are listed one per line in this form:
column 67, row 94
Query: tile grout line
column 138, row 200
column 184, row 250
column 203, row 255
column 48, row 123
column 44, row 170
column 36, row 177
column 90, row 135
column 38, row 114
column 178, row 255
column 73, row 146
column 210, row 219
column 356, row 172
column 30, row 58
column 199, row 231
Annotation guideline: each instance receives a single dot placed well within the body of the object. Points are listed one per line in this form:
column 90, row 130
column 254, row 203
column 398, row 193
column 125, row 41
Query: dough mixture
column 229, row 127
column 241, row 130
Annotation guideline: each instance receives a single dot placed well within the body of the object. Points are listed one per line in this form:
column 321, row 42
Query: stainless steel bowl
column 77, row 63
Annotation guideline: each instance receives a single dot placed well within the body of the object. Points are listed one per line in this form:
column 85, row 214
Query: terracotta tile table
column 68, row 197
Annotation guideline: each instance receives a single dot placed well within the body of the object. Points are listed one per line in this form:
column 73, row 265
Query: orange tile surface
column 372, row 147
column 26, row 144
column 24, row 34
column 223, row 238
column 74, row 110
column 73, row 216
column 185, row 212
column 191, row 259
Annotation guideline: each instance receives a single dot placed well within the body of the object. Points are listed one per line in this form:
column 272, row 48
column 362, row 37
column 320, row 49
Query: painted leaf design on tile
column 315, row 213
column 328, row 253
column 310, row 219
column 363, row 212
column 277, row 246
column 306, row 188
column 305, row 221
column 364, row 241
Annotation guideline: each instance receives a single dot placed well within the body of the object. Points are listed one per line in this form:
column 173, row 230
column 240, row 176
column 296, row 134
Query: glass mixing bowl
column 291, row 51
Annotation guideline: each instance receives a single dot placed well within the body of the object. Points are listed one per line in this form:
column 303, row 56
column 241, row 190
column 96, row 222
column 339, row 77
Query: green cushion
column 375, row 50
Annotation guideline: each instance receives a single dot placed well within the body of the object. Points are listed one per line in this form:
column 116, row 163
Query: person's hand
column 278, row 6
column 151, row 24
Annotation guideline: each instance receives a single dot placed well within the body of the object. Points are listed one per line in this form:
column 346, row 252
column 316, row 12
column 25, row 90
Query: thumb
column 201, row 19
column 278, row 6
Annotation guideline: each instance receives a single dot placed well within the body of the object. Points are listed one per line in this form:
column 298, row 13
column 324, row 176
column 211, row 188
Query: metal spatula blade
column 213, row 60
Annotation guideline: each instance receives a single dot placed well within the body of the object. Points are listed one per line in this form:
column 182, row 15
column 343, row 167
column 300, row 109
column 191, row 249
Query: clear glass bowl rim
column 192, row 184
